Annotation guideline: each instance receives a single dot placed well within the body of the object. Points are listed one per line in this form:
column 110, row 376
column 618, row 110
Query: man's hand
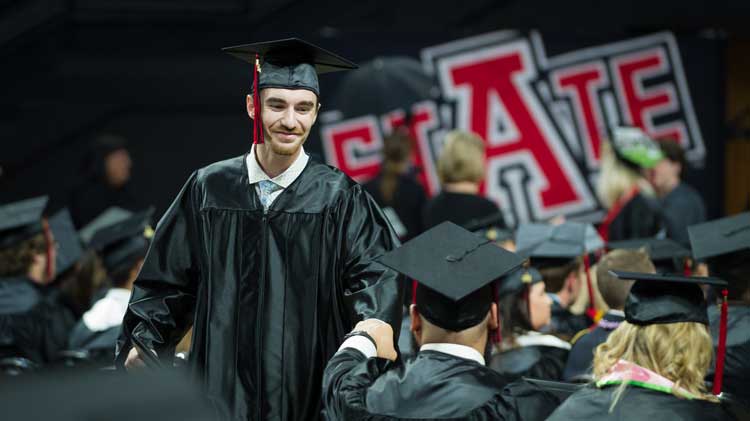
column 382, row 333
column 134, row 360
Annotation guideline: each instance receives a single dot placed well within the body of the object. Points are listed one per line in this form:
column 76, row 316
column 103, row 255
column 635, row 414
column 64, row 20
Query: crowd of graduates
column 555, row 320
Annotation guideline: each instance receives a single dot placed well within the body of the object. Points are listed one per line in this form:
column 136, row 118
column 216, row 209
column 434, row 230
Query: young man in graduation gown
column 651, row 366
column 269, row 256
column 122, row 248
column 33, row 324
column 451, row 320
column 725, row 245
column 614, row 292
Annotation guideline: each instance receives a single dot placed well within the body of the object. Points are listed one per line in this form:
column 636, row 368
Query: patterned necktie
column 267, row 187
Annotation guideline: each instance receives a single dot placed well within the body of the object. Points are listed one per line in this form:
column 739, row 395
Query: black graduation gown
column 582, row 354
column 270, row 294
column 459, row 208
column 682, row 207
column 408, row 201
column 737, row 360
column 99, row 344
column 432, row 385
column 563, row 322
column 637, row 403
column 639, row 218
column 32, row 325
column 534, row 361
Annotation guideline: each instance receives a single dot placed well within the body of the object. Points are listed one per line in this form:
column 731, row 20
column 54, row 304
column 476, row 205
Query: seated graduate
column 122, row 248
column 451, row 320
column 654, row 363
column 614, row 292
column 524, row 309
column 725, row 245
column 32, row 325
column 557, row 251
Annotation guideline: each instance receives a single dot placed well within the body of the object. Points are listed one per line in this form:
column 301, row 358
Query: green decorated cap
column 633, row 146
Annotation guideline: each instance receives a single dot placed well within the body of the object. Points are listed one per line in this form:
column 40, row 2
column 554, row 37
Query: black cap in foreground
column 66, row 236
column 721, row 236
column 290, row 63
column 121, row 244
column 21, row 220
column 657, row 298
column 454, row 269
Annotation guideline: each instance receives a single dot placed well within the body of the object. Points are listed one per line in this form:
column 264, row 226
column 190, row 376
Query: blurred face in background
column 117, row 167
column 540, row 306
column 665, row 176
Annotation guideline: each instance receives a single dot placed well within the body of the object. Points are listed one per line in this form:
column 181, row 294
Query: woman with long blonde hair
column 654, row 364
column 632, row 208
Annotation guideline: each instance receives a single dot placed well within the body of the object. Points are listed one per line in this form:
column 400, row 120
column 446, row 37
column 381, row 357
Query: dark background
column 152, row 72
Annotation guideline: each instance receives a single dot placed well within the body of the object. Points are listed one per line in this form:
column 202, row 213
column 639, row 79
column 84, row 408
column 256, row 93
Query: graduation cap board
column 665, row 253
column 517, row 280
column 119, row 244
column 110, row 216
column 69, row 249
column 288, row 64
column 19, row 221
column 721, row 236
column 658, row 298
column 454, row 270
column 634, row 148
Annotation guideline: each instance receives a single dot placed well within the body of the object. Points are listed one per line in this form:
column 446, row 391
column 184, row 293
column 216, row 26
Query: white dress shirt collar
column 460, row 351
column 255, row 173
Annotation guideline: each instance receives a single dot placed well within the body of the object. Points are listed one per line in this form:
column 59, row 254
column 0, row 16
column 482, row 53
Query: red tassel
column 721, row 350
column 50, row 244
column 686, row 269
column 257, row 125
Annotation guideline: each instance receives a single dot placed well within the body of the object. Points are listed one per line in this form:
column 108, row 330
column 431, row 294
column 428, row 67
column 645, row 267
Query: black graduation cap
column 121, row 243
column 289, row 64
column 721, row 236
column 517, row 280
column 659, row 298
column 550, row 245
column 69, row 250
column 110, row 216
column 665, row 253
column 21, row 220
column 454, row 270
column 496, row 234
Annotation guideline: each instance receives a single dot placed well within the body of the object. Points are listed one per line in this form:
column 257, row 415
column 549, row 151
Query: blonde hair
column 616, row 179
column 462, row 158
column 681, row 352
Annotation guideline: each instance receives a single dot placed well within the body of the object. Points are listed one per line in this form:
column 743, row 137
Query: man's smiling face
column 287, row 116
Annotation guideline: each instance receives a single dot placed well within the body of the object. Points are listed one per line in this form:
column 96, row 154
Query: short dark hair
column 16, row 260
column 735, row 269
column 555, row 276
column 674, row 152
column 615, row 291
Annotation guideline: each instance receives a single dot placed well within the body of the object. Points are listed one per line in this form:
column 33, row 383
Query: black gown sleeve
column 163, row 299
column 346, row 379
column 370, row 289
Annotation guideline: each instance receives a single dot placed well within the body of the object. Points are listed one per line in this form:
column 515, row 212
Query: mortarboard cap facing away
column 634, row 148
column 454, row 269
column 721, row 236
column 19, row 221
column 69, row 250
column 516, row 281
column 288, row 64
column 110, row 216
column 121, row 244
column 657, row 298
column 556, row 243
column 665, row 253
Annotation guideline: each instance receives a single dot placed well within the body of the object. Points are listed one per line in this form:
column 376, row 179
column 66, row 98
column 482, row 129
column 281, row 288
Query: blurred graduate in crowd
column 33, row 324
column 461, row 169
column 108, row 169
column 522, row 351
column 614, row 293
column 395, row 189
column 681, row 205
column 653, row 364
column 122, row 248
column 451, row 321
column 725, row 245
column 633, row 210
